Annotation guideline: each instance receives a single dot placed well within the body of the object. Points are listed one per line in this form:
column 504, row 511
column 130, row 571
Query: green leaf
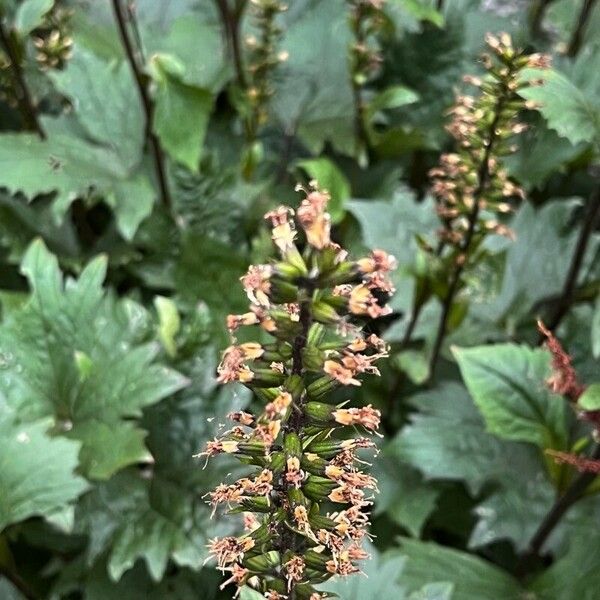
column 30, row 15
column 84, row 364
column 181, row 111
column 247, row 593
column 590, row 399
column 169, row 323
column 434, row 591
column 447, row 439
column 64, row 319
column 472, row 577
column 333, row 180
column 404, row 497
column 537, row 262
column 189, row 32
column 106, row 102
column 568, row 110
column 417, row 9
column 36, row 471
column 414, row 364
column 72, row 167
column 316, row 103
column 541, row 153
column 392, row 97
column 9, row 592
column 164, row 518
column 108, row 447
column 508, row 384
column 517, row 505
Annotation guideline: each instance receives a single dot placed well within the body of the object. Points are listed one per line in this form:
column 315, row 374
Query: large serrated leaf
column 63, row 321
column 508, row 384
column 72, row 167
column 568, row 110
column 472, row 577
column 36, row 471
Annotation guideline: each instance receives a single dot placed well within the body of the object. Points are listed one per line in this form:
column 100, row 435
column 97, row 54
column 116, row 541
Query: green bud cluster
column 52, row 40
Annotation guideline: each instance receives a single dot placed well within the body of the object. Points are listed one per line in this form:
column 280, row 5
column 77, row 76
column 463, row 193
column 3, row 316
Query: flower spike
column 306, row 500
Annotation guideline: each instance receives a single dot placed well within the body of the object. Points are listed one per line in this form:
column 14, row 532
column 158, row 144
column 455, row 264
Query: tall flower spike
column 471, row 185
column 307, row 499
column 263, row 57
column 367, row 21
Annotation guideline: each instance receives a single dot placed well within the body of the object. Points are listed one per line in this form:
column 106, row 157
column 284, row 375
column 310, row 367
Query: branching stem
column 578, row 32
column 231, row 20
column 148, row 106
column 483, row 175
column 590, row 221
column 296, row 419
column 536, row 16
column 572, row 494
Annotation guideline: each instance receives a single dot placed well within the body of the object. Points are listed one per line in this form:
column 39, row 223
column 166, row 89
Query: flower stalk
column 160, row 170
column 470, row 185
column 306, row 501
column 262, row 58
column 366, row 21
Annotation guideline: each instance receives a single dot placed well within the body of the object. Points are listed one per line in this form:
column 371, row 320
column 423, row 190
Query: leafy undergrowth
column 132, row 189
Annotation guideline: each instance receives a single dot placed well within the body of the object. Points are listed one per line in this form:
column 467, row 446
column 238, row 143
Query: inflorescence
column 471, row 186
column 306, row 502
column 262, row 58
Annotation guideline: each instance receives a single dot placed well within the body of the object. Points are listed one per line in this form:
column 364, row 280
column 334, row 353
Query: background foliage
column 114, row 285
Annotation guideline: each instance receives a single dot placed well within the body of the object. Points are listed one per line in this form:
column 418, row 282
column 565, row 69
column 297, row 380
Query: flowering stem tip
column 306, row 502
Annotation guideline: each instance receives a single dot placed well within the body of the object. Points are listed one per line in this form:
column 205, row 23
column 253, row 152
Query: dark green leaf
column 508, row 384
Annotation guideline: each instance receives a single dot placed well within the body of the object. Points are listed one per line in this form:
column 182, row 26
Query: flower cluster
column 471, row 186
column 306, row 502
column 366, row 23
column 564, row 381
column 52, row 40
column 262, row 58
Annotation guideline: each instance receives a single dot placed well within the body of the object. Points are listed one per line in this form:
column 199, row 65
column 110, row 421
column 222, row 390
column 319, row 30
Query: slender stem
column 420, row 304
column 295, row 422
column 578, row 32
column 439, row 5
column 289, row 136
column 356, row 20
column 17, row 582
column 231, row 20
column 572, row 494
column 148, row 107
column 136, row 32
column 412, row 324
column 536, row 16
column 483, row 174
column 26, row 105
column 589, row 224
